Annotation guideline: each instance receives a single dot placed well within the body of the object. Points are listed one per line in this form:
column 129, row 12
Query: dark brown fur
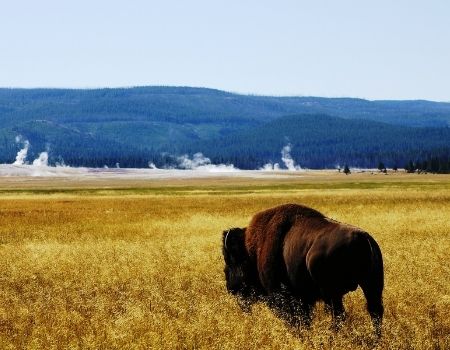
column 296, row 252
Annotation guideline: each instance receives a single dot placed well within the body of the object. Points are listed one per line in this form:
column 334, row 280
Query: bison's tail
column 372, row 284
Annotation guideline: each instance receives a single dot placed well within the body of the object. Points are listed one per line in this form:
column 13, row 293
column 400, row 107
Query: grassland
column 137, row 265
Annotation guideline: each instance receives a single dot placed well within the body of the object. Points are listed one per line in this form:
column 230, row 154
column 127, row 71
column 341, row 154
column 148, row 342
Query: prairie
column 138, row 265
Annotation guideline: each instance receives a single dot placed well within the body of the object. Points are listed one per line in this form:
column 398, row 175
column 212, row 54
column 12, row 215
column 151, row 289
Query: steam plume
column 200, row 162
column 42, row 160
column 287, row 158
column 270, row 167
column 22, row 154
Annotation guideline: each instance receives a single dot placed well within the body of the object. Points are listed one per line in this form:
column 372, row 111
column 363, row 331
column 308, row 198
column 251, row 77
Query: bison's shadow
column 296, row 316
column 284, row 306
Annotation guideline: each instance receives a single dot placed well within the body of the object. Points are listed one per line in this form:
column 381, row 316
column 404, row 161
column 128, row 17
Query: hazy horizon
column 374, row 51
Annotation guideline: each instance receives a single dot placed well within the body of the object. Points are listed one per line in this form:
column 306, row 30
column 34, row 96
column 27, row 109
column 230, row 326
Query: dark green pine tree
column 346, row 170
column 410, row 168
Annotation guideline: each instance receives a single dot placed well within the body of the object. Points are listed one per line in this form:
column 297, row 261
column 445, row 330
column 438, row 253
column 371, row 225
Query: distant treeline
column 436, row 165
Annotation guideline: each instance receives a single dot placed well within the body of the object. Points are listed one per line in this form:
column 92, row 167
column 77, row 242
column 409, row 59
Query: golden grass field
column 138, row 265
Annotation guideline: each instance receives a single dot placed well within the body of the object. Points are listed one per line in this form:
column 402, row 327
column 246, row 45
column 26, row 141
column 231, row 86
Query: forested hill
column 132, row 126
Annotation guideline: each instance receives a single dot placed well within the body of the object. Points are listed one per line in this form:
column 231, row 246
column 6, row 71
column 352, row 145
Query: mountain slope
column 200, row 105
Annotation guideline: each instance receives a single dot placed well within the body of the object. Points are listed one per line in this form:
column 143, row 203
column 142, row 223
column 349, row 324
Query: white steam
column 198, row 166
column 287, row 158
column 288, row 162
column 42, row 160
column 200, row 162
column 22, row 154
column 197, row 160
column 270, row 167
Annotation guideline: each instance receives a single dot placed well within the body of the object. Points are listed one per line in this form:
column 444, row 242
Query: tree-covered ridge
column 197, row 105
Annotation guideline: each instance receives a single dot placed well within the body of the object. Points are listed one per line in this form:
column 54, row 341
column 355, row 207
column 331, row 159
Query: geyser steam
column 42, row 160
column 22, row 154
column 286, row 157
column 200, row 162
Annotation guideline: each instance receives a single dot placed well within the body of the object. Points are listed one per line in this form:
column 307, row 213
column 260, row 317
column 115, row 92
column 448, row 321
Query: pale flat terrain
column 119, row 263
column 146, row 178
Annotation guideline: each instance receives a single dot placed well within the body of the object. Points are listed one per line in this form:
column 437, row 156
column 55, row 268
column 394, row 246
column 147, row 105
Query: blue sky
column 370, row 49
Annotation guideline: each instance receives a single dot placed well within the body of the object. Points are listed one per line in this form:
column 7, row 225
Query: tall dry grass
column 127, row 271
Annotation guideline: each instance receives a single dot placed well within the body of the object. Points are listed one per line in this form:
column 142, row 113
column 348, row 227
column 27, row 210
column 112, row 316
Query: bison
column 295, row 256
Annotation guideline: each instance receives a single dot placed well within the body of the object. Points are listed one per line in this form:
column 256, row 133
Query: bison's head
column 237, row 262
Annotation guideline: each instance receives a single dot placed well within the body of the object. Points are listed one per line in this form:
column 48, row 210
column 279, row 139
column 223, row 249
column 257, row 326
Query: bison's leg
column 306, row 310
column 372, row 285
column 285, row 306
column 373, row 289
column 335, row 305
column 290, row 308
column 338, row 312
column 374, row 306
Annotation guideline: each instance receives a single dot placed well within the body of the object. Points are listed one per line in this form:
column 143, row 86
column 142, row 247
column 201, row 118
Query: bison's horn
column 226, row 237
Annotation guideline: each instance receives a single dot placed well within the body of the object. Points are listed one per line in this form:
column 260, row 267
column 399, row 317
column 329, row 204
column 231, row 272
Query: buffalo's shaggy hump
column 297, row 255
